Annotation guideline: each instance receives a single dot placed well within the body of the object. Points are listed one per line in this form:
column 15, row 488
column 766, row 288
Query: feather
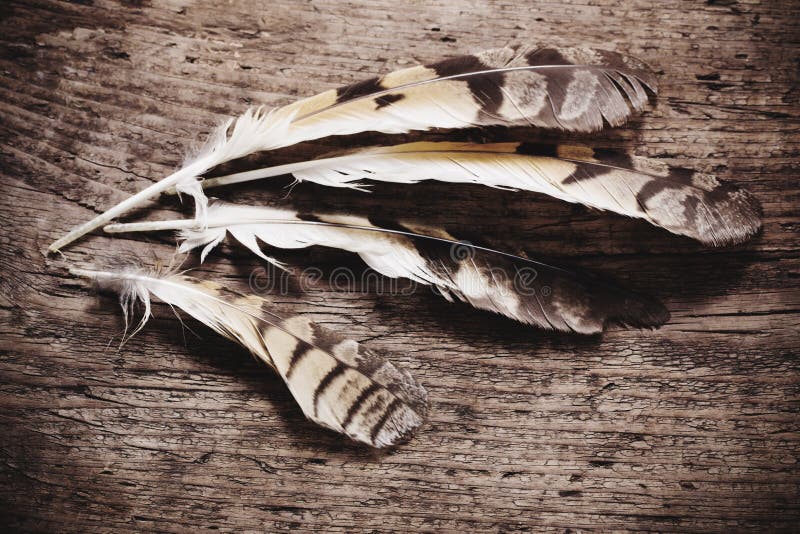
column 573, row 89
column 679, row 200
column 531, row 292
column 337, row 383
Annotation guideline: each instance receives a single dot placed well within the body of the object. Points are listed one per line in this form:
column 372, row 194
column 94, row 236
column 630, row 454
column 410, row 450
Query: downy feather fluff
column 531, row 292
column 337, row 383
column 572, row 89
column 682, row 201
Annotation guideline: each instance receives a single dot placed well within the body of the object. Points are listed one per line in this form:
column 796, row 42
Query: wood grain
column 690, row 428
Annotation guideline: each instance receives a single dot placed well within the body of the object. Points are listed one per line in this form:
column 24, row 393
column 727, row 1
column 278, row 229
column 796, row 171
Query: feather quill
column 531, row 292
column 681, row 201
column 572, row 89
column 337, row 383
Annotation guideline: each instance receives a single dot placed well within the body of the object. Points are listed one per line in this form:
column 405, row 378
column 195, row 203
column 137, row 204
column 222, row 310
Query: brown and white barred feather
column 572, row 89
column 337, row 383
column 531, row 292
column 682, row 201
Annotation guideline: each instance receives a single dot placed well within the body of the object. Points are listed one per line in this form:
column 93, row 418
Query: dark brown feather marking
column 486, row 88
column 299, row 352
column 386, row 100
column 677, row 178
column 326, row 381
column 310, row 217
column 537, row 149
column 366, row 364
column 587, row 170
column 324, row 338
column 610, row 156
column 439, row 257
column 387, row 413
column 546, row 56
column 359, row 402
column 558, row 81
column 362, row 88
column 376, row 406
column 389, row 224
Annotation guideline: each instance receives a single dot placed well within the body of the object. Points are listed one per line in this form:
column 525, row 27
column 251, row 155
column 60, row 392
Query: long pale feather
column 531, row 292
column 573, row 89
column 337, row 383
column 682, row 201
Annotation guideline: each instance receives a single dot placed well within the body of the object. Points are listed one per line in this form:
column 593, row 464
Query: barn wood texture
column 693, row 427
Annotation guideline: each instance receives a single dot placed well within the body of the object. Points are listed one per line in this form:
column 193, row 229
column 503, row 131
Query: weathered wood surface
column 693, row 427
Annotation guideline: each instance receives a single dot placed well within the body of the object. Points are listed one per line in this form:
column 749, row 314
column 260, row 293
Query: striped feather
column 681, row 201
column 337, row 383
column 531, row 292
column 572, row 89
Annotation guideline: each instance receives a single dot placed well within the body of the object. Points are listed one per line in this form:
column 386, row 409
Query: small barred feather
column 337, row 383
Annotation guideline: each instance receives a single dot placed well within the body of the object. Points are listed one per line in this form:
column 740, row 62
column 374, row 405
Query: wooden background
column 693, row 427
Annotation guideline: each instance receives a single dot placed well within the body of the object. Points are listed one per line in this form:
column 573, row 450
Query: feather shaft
column 128, row 204
column 251, row 132
column 151, row 226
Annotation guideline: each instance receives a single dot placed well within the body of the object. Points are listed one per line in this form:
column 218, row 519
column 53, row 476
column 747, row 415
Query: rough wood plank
column 693, row 427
